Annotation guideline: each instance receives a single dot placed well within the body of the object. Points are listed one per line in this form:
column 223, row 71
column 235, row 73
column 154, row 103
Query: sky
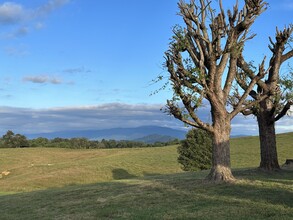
column 76, row 64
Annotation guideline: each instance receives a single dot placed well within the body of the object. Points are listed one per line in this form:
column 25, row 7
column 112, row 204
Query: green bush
column 11, row 140
column 195, row 152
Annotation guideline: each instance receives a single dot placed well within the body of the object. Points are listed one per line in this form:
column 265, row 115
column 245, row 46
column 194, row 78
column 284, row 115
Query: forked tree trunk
column 267, row 137
column 221, row 166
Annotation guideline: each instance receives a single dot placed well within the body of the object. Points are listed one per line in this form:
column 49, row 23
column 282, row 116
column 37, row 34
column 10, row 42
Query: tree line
column 11, row 140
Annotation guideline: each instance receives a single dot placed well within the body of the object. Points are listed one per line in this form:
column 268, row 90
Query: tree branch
column 177, row 113
column 278, row 58
column 242, row 64
column 287, row 56
column 240, row 107
column 284, row 110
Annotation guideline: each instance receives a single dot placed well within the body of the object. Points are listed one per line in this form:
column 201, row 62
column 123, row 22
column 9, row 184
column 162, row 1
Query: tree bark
column 221, row 165
column 267, row 137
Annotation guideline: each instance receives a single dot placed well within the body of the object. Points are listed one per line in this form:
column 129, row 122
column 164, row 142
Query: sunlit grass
column 245, row 151
column 173, row 196
column 143, row 183
column 41, row 168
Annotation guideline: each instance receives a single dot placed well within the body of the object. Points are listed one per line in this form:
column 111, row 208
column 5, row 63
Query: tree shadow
column 147, row 174
column 278, row 176
column 119, row 174
column 183, row 194
column 252, row 185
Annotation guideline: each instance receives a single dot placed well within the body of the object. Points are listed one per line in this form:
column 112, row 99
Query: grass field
column 145, row 183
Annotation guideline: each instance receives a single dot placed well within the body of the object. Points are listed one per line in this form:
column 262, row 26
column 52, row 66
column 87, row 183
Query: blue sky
column 66, row 57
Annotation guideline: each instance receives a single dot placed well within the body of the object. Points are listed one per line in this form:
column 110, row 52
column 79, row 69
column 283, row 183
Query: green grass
column 173, row 196
column 245, row 152
column 41, row 168
column 144, row 183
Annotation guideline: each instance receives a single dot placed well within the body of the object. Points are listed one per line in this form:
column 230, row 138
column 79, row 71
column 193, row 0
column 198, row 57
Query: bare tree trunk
column 221, row 166
column 267, row 137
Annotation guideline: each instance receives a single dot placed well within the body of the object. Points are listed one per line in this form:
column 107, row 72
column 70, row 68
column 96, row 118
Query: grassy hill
column 143, row 183
column 42, row 168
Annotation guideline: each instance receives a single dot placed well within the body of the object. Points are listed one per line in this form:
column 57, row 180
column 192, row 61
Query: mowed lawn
column 140, row 183
column 41, row 168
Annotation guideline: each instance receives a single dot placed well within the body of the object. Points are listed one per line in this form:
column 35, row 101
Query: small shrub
column 195, row 152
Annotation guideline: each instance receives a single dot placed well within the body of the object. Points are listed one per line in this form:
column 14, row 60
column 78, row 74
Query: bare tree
column 278, row 100
column 202, row 63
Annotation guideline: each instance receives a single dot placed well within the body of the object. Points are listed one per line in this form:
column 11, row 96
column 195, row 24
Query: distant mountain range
column 153, row 138
column 149, row 134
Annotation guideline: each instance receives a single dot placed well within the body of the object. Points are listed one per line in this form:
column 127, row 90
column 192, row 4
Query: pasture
column 140, row 183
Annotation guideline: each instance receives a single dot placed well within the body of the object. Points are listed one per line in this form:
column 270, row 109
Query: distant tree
column 202, row 64
column 12, row 140
column 80, row 143
column 8, row 139
column 195, row 152
column 101, row 145
column 59, row 140
column 39, row 142
column 111, row 143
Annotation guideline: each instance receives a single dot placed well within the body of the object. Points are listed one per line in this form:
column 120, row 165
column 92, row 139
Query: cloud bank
column 111, row 115
column 27, row 121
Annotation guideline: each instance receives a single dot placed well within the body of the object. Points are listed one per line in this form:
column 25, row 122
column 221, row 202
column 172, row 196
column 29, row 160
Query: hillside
column 140, row 183
column 46, row 167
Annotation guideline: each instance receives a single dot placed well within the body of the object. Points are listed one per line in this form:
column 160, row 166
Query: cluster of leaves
column 9, row 140
column 286, row 83
column 195, row 152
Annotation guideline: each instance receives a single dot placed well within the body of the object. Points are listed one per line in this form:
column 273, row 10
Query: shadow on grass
column 283, row 176
column 252, row 185
column 174, row 196
column 119, row 174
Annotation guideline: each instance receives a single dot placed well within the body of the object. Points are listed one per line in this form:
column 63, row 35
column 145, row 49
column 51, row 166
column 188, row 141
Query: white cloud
column 20, row 32
column 11, row 13
column 49, row 7
column 41, row 79
column 39, row 25
column 77, row 70
column 24, row 18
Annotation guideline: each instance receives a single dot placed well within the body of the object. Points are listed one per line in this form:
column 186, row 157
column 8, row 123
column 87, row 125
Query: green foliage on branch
column 195, row 152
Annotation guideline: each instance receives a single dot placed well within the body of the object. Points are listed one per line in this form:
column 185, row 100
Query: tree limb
column 284, row 110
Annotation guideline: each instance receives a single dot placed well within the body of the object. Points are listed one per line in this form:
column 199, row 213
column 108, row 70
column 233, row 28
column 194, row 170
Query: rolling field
column 143, row 183
column 42, row 168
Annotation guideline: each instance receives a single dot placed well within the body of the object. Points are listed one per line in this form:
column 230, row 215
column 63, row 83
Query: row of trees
column 11, row 140
column 205, row 61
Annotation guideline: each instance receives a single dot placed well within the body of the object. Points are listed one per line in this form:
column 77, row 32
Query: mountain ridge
column 114, row 133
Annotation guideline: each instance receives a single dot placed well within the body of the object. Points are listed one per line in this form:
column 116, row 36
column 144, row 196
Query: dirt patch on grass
column 4, row 173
